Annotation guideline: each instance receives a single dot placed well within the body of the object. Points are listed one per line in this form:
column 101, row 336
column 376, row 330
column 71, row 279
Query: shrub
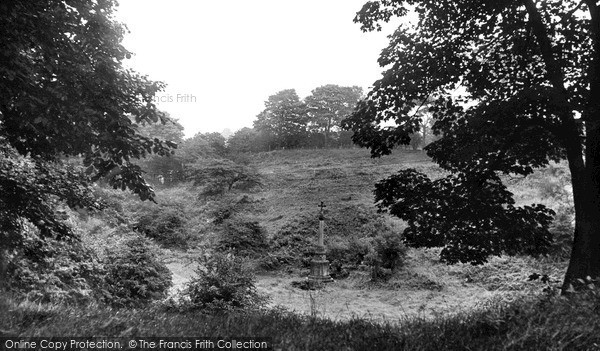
column 351, row 252
column 385, row 256
column 222, row 283
column 390, row 250
column 110, row 198
column 242, row 237
column 50, row 270
column 135, row 276
column 165, row 225
column 228, row 209
column 344, row 254
column 294, row 241
column 337, row 253
column 270, row 262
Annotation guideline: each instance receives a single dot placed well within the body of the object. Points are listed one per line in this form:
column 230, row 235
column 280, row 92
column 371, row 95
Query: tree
column 202, row 146
column 167, row 129
column 328, row 105
column 63, row 93
column 221, row 175
column 217, row 142
column 243, row 140
column 531, row 72
column 226, row 133
column 194, row 149
column 283, row 119
column 170, row 130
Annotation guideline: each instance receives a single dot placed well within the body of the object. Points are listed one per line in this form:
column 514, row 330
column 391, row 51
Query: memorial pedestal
column 319, row 268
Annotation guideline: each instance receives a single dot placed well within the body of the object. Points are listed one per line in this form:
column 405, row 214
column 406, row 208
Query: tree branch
column 555, row 74
column 594, row 113
column 569, row 133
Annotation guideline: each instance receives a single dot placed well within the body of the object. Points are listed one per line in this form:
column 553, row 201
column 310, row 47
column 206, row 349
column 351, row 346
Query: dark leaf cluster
column 471, row 216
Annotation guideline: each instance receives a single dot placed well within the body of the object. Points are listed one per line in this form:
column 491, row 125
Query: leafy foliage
column 328, row 105
column 222, row 283
column 50, row 270
column 64, row 90
column 245, row 238
column 284, row 119
column 247, row 140
column 506, row 83
column 457, row 213
column 389, row 250
column 165, row 225
column 344, row 255
column 221, row 175
column 170, row 130
column 135, row 276
column 289, row 122
column 294, row 243
column 349, row 253
column 32, row 189
column 65, row 94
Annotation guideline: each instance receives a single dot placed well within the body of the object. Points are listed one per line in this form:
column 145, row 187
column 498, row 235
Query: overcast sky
column 223, row 59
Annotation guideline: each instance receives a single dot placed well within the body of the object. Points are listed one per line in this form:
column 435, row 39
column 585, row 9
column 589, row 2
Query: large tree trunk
column 585, row 254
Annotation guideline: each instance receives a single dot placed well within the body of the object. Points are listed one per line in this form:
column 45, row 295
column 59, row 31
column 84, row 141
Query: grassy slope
column 296, row 181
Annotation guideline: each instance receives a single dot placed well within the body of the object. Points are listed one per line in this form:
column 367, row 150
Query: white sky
column 232, row 55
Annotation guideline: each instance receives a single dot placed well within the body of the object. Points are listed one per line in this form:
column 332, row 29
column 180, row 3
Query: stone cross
column 321, row 224
column 322, row 206
column 319, row 271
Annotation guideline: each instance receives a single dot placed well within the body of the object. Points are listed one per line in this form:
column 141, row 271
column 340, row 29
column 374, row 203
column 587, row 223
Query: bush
column 50, row 270
column 390, row 250
column 222, row 283
column 352, row 252
column 293, row 241
column 243, row 238
column 228, row 209
column 166, row 226
column 337, row 253
column 112, row 202
column 135, row 276
column 271, row 262
column 345, row 254
column 386, row 255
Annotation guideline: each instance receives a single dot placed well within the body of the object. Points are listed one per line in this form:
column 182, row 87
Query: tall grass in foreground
column 546, row 323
